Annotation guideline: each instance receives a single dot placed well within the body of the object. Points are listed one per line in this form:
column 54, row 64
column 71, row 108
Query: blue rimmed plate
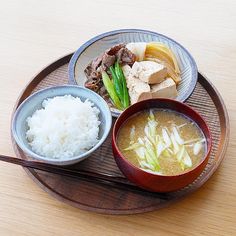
column 95, row 46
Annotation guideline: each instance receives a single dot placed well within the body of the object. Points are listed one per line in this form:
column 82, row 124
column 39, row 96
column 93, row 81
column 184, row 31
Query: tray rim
column 221, row 151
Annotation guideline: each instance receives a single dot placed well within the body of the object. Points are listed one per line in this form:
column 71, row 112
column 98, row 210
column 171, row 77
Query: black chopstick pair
column 113, row 181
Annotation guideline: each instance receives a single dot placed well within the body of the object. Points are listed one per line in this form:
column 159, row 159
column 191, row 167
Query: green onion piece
column 166, row 153
column 133, row 147
column 184, row 158
column 132, row 133
column 150, row 128
column 117, row 84
column 140, row 141
column 170, row 151
column 187, row 159
column 145, row 165
column 120, row 75
column 180, row 154
column 117, row 70
column 193, row 140
column 150, row 160
column 179, row 140
column 197, row 148
column 182, row 165
column 151, row 115
column 151, row 155
column 148, row 132
column 157, row 139
column 166, row 137
column 111, row 90
column 140, row 153
column 174, row 143
column 160, row 148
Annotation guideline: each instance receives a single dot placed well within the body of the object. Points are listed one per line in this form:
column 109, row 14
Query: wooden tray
column 114, row 198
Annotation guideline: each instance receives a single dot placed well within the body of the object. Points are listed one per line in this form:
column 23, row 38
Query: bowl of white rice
column 61, row 125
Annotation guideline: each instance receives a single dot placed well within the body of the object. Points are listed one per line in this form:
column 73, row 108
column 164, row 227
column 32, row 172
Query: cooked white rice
column 63, row 128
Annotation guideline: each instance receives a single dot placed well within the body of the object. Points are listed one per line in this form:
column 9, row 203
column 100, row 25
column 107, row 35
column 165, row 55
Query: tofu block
column 127, row 70
column 138, row 90
column 166, row 89
column 149, row 71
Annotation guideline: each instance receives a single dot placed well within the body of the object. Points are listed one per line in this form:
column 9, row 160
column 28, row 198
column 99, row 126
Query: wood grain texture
column 35, row 33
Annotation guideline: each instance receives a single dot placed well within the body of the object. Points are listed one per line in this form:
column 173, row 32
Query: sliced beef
column 103, row 62
column 91, row 71
column 125, row 57
column 107, row 61
column 115, row 49
column 94, row 84
column 109, row 56
column 93, row 75
column 97, row 61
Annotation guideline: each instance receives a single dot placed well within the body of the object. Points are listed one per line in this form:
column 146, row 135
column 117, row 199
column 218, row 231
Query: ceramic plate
column 95, row 46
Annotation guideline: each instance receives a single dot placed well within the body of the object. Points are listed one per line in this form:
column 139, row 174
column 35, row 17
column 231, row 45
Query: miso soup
column 162, row 141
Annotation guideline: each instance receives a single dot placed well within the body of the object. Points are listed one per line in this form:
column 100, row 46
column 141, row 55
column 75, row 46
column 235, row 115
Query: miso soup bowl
column 151, row 181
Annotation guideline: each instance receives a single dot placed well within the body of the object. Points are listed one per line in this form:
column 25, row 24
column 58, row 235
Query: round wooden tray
column 110, row 197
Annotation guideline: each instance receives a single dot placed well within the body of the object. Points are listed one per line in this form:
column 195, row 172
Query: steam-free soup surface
column 162, row 141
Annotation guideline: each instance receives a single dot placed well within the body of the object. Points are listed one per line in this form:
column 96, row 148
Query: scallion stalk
column 111, row 90
column 117, row 84
column 120, row 75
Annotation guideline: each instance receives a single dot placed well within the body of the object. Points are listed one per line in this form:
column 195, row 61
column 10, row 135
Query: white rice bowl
column 65, row 127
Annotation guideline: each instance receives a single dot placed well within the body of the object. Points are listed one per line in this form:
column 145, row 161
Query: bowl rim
column 80, row 50
column 59, row 161
column 167, row 100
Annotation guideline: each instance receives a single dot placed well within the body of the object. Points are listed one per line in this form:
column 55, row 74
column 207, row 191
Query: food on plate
column 161, row 141
column 149, row 72
column 128, row 73
column 139, row 90
column 116, row 88
column 64, row 127
column 158, row 52
column 94, row 69
column 167, row 88
column 138, row 49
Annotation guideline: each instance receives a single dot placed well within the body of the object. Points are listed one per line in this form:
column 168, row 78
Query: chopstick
column 78, row 174
column 60, row 170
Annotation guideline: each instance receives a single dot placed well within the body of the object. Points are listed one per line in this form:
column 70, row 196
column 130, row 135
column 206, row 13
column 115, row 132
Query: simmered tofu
column 138, row 90
column 166, row 89
column 149, row 71
column 127, row 70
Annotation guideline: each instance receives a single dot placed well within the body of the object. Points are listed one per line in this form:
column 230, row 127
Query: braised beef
column 107, row 61
column 125, row 56
column 115, row 49
column 103, row 62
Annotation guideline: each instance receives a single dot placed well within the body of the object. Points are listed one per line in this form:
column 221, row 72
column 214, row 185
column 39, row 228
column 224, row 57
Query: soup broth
column 162, row 141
